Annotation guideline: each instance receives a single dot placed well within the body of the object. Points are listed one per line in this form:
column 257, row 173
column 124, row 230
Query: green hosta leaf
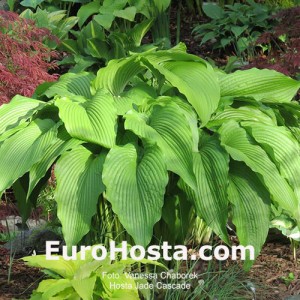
column 135, row 95
column 139, row 30
column 195, row 80
column 251, row 208
column 208, row 36
column 20, row 193
column 105, row 20
column 159, row 5
column 79, row 185
column 191, row 117
column 241, row 147
column 83, row 63
column 244, row 113
column 109, row 6
column 62, row 267
column 65, row 26
column 31, row 3
column 26, row 203
column 70, row 46
column 84, row 287
column 243, row 43
column 210, row 166
column 213, row 11
column 238, row 30
column 172, row 134
column 55, row 16
column 61, row 143
column 19, row 152
column 93, row 120
column 225, row 42
column 17, row 111
column 280, row 144
column 135, row 186
column 98, row 48
column 12, row 131
column 262, row 85
column 52, row 289
column 93, row 31
column 283, row 221
column 117, row 74
column 85, row 11
column 128, row 13
column 71, row 84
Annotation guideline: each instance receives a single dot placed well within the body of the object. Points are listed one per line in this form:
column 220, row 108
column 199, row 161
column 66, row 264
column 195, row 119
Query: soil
column 23, row 279
column 271, row 271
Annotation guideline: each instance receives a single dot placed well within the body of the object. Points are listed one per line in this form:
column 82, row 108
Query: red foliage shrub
column 284, row 44
column 24, row 59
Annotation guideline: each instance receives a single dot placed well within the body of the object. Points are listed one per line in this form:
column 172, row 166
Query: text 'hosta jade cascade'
column 121, row 134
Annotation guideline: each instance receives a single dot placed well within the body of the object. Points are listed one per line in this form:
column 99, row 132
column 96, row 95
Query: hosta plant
column 111, row 29
column 87, row 279
column 154, row 127
column 234, row 28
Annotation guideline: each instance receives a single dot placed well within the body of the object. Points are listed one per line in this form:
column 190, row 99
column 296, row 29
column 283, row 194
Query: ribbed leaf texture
column 242, row 147
column 79, row 185
column 251, row 208
column 135, row 185
column 262, row 85
column 210, row 166
column 92, row 120
column 17, row 111
column 25, row 148
column 172, row 134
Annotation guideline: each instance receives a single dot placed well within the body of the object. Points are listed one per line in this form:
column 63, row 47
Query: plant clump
column 281, row 45
column 24, row 59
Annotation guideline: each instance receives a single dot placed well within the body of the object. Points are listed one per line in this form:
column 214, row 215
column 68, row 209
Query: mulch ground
column 23, row 279
column 271, row 270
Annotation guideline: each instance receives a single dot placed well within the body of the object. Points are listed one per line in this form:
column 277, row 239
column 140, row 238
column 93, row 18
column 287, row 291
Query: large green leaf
column 79, row 185
column 244, row 113
column 135, row 185
column 71, row 84
column 31, row 3
column 251, row 208
column 195, row 80
column 93, row 120
column 263, row 85
column 280, row 144
column 84, row 286
column 62, row 143
column 242, row 147
column 135, row 95
column 26, row 203
column 210, row 166
column 85, row 11
column 128, row 13
column 139, row 30
column 20, row 151
column 117, row 74
column 98, row 48
column 213, row 11
column 17, row 111
column 52, row 289
column 168, row 127
column 12, row 131
column 62, row 267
